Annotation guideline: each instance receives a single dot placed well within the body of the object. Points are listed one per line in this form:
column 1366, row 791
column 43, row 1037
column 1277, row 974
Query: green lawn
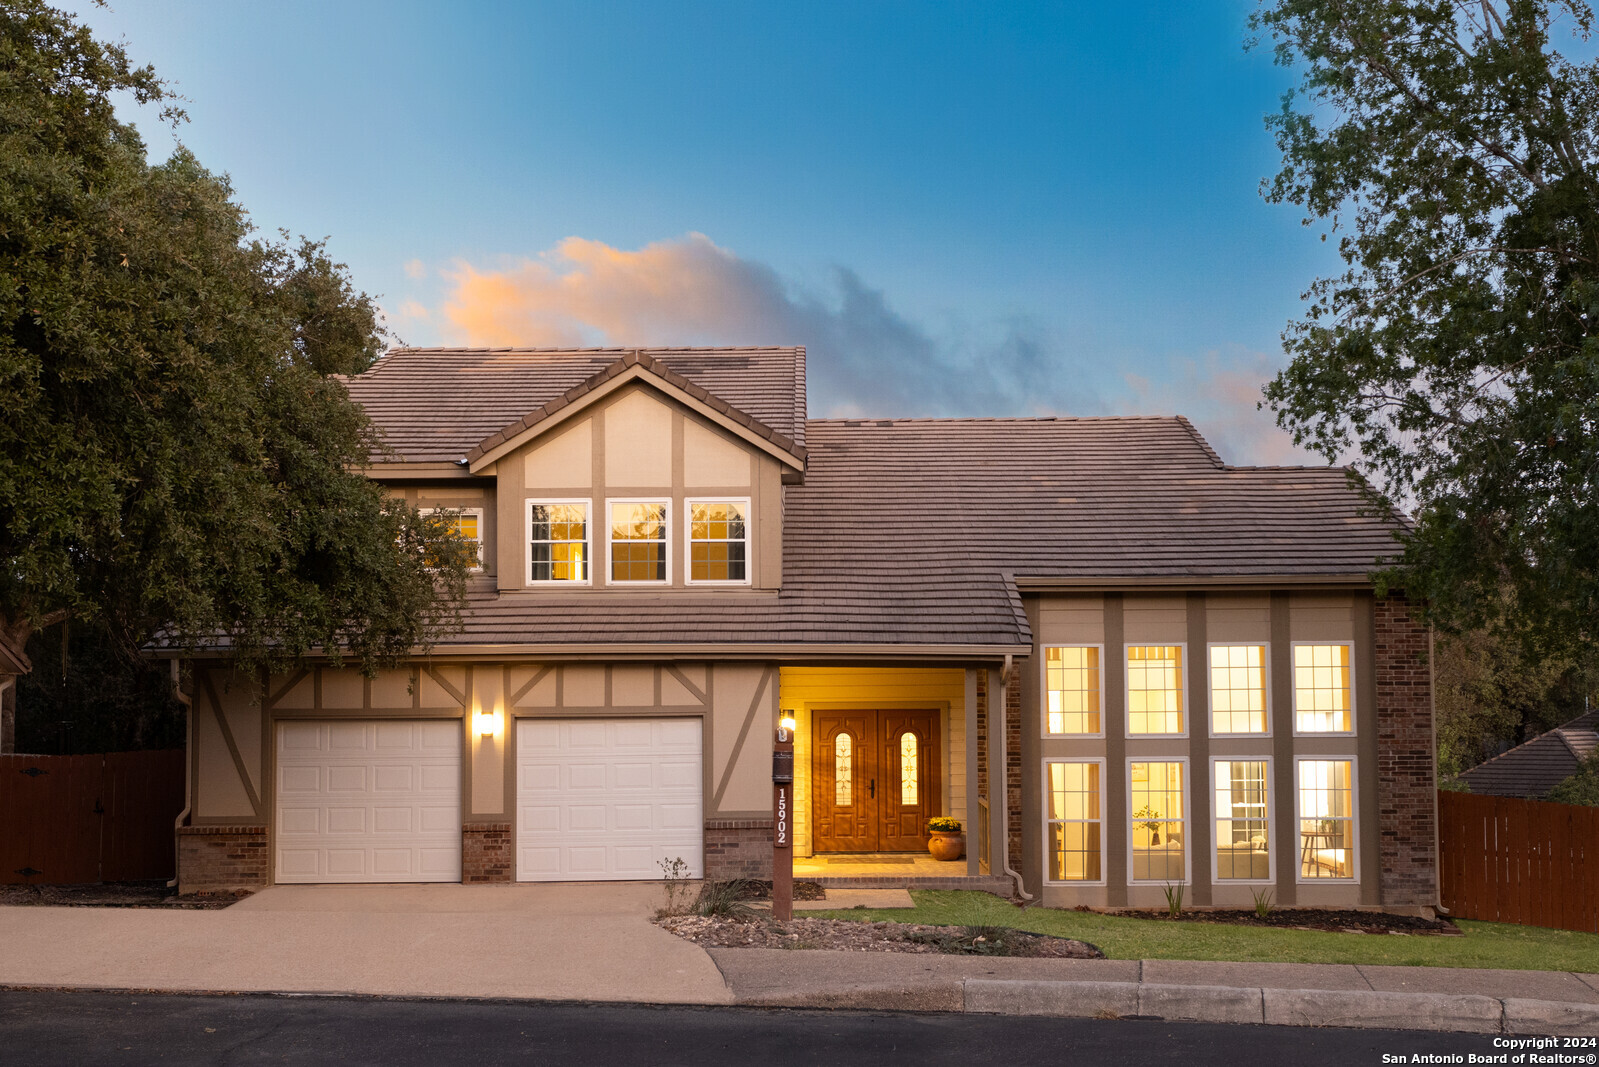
column 1485, row 944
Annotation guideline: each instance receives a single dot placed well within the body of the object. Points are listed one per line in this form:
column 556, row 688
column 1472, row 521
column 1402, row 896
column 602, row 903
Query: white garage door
column 375, row 801
column 607, row 798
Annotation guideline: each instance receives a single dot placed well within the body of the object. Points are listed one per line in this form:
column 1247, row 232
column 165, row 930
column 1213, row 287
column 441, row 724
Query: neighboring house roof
column 1534, row 767
column 438, row 404
column 916, row 531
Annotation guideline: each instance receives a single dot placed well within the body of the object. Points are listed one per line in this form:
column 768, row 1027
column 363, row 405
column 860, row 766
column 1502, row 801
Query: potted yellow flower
column 944, row 838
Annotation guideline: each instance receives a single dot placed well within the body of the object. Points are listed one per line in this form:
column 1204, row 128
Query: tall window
column 638, row 541
column 1158, row 822
column 1238, row 689
column 1074, row 842
column 909, row 766
column 1243, row 824
column 1326, row 819
column 843, row 771
column 1071, row 682
column 718, row 541
column 467, row 524
column 1154, row 689
column 1321, row 689
column 558, row 541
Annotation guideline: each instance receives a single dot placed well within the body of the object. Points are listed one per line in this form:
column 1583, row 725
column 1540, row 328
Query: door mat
column 887, row 861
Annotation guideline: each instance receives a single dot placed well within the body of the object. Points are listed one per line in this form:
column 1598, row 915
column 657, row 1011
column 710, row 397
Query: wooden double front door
column 874, row 780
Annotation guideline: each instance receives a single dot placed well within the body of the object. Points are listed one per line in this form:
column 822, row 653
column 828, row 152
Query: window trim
column 1182, row 690
column 478, row 512
column 1043, row 688
column 1210, row 690
column 1271, row 823
column 527, row 543
column 1188, row 819
column 1354, row 817
column 688, row 542
column 666, row 525
column 1104, row 835
column 1354, row 707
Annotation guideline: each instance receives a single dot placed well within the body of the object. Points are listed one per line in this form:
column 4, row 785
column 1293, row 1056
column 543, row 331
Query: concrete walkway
column 565, row 942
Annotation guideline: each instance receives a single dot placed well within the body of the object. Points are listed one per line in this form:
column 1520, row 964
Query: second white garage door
column 607, row 799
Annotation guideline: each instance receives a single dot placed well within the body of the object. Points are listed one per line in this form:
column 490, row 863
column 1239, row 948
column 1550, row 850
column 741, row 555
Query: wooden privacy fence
column 66, row 820
column 1519, row 861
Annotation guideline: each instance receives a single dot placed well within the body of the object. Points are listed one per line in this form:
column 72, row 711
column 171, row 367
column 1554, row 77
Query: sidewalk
column 595, row 942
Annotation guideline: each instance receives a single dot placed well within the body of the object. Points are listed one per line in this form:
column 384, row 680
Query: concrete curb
column 1366, row 1009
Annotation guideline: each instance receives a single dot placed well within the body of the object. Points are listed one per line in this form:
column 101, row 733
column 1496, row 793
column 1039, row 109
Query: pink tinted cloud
column 1220, row 394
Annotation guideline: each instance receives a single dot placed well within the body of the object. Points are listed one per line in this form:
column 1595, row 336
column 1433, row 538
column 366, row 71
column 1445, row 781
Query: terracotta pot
column 946, row 846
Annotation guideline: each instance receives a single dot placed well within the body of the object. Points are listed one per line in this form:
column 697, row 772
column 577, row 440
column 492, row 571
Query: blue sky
column 959, row 208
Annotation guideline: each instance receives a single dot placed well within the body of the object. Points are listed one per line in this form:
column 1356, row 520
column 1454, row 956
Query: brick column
column 488, row 853
column 738, row 848
column 222, row 857
column 1013, row 763
column 1407, row 797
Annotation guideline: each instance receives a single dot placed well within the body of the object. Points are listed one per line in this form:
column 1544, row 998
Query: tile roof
column 437, row 404
column 1534, row 767
column 911, row 531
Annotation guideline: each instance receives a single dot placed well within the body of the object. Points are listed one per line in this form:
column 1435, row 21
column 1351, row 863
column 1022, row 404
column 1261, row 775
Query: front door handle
column 873, row 788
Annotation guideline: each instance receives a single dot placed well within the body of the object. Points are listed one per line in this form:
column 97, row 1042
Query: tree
column 1457, row 359
column 1490, row 695
column 179, row 461
column 1580, row 788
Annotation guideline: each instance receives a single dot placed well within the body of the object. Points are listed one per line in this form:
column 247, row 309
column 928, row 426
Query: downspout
column 188, row 776
column 1004, row 777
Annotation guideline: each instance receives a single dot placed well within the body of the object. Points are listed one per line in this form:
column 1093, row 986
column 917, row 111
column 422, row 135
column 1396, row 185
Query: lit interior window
column 908, row 764
column 1238, row 689
column 638, row 542
column 1074, row 822
column 718, row 542
column 1243, row 842
column 1326, row 819
column 558, row 542
column 1158, row 822
column 1155, row 689
column 843, row 771
column 1321, row 688
column 1071, row 676
column 466, row 526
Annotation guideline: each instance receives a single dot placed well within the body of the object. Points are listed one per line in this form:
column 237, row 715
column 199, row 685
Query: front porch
column 894, row 870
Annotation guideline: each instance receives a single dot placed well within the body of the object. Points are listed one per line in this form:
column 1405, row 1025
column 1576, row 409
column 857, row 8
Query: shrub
column 943, row 825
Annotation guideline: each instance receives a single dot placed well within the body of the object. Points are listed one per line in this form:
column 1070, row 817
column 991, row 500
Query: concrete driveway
column 590, row 941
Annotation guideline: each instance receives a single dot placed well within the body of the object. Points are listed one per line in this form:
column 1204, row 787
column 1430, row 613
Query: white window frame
column 688, row 541
column 1354, row 816
column 478, row 512
column 1354, row 703
column 1271, row 823
column 1182, row 689
column 1210, row 690
column 1043, row 688
column 666, row 525
column 1104, row 830
column 1188, row 818
column 527, row 543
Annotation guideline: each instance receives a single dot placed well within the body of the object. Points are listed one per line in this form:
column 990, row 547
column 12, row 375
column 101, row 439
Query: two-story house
column 1120, row 662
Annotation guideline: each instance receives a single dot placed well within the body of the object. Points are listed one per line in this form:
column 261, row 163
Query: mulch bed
column 845, row 936
column 755, row 889
column 1345, row 922
column 114, row 895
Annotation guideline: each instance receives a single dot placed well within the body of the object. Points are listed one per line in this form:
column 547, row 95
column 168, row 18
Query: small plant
column 1174, row 899
column 1150, row 815
column 1262, row 902
column 943, row 825
column 675, row 871
column 725, row 900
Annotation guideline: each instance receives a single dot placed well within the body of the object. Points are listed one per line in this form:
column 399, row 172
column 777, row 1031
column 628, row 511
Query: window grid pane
column 558, row 542
column 1326, row 819
column 1071, row 676
column 1243, row 844
column 638, row 542
column 718, row 542
column 1158, row 822
column 1074, row 822
column 1321, row 688
column 1154, row 689
column 1238, row 689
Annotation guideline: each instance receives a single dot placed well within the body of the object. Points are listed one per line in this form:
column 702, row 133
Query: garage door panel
column 607, row 798
column 368, row 801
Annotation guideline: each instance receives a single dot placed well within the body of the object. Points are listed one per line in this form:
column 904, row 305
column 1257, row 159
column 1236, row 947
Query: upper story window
column 718, row 541
column 558, row 541
column 1071, row 685
column 1155, row 689
column 638, row 540
column 1321, row 689
column 467, row 523
column 1238, row 689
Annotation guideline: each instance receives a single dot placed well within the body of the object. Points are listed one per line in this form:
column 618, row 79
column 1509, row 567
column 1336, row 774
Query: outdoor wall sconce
column 488, row 723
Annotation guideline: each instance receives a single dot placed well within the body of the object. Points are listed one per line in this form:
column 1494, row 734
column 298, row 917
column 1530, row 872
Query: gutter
column 1004, row 778
column 188, row 778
